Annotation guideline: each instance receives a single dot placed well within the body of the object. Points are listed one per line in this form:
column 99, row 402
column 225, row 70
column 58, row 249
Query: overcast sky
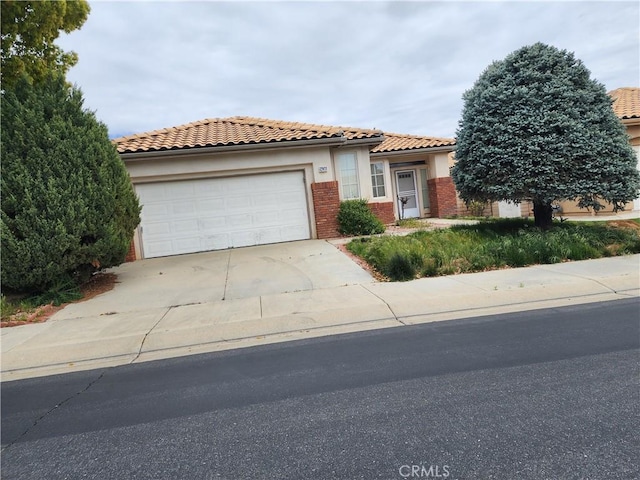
column 397, row 66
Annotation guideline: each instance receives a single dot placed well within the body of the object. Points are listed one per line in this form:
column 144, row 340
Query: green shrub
column 68, row 206
column 355, row 218
column 63, row 291
column 400, row 267
column 7, row 308
column 476, row 208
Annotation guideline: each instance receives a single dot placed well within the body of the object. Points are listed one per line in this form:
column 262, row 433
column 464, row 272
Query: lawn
column 493, row 244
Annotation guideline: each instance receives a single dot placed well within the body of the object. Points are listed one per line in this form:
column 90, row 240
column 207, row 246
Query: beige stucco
column 439, row 165
column 315, row 162
column 187, row 165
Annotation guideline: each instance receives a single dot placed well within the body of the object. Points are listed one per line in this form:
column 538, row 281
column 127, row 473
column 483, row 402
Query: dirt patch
column 624, row 224
column 362, row 264
column 98, row 284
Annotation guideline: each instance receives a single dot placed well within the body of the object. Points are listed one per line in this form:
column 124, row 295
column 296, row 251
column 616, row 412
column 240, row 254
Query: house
column 240, row 181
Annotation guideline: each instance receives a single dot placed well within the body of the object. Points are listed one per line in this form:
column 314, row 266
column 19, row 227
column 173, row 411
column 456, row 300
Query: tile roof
column 626, row 102
column 396, row 142
column 214, row 132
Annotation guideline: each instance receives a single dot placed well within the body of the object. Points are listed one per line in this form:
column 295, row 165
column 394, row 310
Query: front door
column 407, row 194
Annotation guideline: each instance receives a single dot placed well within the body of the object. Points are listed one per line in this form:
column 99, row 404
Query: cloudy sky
column 397, row 66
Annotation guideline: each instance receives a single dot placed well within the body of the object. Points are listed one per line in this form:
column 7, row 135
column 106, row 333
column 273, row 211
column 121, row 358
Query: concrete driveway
column 223, row 275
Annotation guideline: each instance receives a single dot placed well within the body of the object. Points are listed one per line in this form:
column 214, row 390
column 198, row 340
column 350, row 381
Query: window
column 348, row 171
column 424, row 188
column 377, row 179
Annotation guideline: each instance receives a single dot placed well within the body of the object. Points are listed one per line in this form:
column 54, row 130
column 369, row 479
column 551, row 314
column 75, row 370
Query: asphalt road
column 549, row 394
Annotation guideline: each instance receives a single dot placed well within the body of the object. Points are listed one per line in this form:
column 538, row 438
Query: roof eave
column 630, row 120
column 324, row 142
column 411, row 151
column 355, row 142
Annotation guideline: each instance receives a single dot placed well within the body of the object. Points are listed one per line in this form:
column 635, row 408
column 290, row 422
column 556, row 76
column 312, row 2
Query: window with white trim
column 377, row 180
column 348, row 175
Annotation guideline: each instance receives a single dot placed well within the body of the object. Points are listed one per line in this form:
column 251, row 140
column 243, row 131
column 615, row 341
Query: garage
column 189, row 216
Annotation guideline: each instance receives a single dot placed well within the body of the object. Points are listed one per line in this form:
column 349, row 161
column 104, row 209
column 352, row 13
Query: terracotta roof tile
column 626, row 102
column 213, row 132
column 395, row 142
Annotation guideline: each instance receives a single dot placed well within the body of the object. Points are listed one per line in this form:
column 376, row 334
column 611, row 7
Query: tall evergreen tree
column 536, row 127
column 68, row 206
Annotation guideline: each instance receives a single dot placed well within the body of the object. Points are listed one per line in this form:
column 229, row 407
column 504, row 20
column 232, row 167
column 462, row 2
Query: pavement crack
column 226, row 278
column 54, row 408
column 147, row 334
column 386, row 303
column 583, row 277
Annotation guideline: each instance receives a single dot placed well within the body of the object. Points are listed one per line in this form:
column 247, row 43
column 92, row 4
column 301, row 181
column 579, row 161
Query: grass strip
column 490, row 245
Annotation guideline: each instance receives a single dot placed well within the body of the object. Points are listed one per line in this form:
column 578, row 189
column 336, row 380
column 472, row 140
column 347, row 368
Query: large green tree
column 536, row 127
column 68, row 205
column 29, row 30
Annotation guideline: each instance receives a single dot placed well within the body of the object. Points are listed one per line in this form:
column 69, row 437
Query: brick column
column 326, row 203
column 442, row 197
column 131, row 254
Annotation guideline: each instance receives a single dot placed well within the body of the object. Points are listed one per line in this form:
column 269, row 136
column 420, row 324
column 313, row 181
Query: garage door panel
column 215, row 242
column 158, row 248
column 294, row 232
column 267, row 217
column 186, row 244
column 158, row 229
column 180, row 190
column 208, row 189
column 235, row 221
column 186, row 227
column 155, row 211
column 210, row 204
column 184, row 208
column 212, row 224
column 210, row 214
column 236, row 202
column 291, row 215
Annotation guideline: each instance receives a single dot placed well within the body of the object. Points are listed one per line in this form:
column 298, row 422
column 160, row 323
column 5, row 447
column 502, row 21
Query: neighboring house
column 240, row 181
column 626, row 105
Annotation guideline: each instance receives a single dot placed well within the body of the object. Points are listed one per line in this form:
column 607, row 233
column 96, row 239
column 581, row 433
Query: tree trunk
column 542, row 214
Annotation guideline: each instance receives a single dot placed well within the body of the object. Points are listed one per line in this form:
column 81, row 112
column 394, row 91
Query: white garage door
column 210, row 214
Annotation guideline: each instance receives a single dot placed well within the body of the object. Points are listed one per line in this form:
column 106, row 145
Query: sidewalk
column 63, row 345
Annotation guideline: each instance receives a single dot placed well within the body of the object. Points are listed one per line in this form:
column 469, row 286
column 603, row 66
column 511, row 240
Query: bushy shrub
column 400, row 267
column 355, row 218
column 68, row 206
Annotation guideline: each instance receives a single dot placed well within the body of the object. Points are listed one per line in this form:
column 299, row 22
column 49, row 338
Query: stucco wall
column 195, row 165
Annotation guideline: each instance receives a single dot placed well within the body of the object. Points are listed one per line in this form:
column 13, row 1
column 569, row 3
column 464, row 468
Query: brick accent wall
column 384, row 211
column 442, row 197
column 131, row 254
column 326, row 203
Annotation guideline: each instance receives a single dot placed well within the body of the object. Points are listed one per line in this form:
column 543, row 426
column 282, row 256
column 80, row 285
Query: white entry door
column 189, row 216
column 407, row 194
